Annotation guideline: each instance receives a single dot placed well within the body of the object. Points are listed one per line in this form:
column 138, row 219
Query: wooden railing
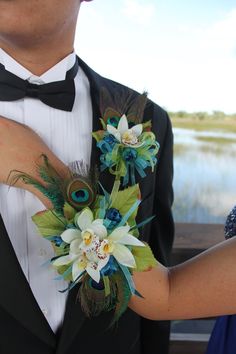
column 190, row 240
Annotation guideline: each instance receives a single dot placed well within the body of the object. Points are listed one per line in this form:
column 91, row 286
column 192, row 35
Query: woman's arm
column 20, row 149
column 204, row 286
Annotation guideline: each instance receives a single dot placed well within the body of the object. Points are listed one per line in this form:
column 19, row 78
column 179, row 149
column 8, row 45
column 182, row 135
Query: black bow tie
column 58, row 94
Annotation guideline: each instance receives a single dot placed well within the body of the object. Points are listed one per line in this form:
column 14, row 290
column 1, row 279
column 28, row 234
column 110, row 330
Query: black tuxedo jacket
column 23, row 327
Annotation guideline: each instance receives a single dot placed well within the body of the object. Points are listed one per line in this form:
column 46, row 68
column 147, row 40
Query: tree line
column 219, row 115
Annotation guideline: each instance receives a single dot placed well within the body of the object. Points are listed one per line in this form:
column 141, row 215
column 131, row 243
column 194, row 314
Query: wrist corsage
column 93, row 232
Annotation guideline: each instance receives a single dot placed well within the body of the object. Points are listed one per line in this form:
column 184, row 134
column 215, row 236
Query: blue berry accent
column 95, row 285
column 58, row 241
column 110, row 268
column 130, row 154
column 113, row 214
column 112, row 218
column 110, row 139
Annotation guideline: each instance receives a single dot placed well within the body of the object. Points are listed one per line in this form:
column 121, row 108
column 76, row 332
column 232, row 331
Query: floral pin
column 127, row 145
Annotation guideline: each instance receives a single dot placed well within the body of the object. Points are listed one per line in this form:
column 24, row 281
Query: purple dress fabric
column 223, row 337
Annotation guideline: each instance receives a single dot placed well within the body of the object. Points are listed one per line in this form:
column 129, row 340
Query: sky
column 182, row 52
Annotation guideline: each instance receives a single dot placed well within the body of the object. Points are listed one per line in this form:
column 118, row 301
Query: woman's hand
column 20, row 149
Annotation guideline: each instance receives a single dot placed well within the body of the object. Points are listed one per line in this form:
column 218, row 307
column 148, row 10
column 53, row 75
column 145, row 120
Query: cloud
column 222, row 34
column 140, row 12
column 203, row 71
column 182, row 65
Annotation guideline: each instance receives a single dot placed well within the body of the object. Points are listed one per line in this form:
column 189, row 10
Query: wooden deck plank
column 178, row 347
column 197, row 236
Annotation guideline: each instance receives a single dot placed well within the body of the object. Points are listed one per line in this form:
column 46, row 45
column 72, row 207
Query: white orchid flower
column 91, row 246
column 115, row 244
column 123, row 134
column 80, row 263
column 83, row 246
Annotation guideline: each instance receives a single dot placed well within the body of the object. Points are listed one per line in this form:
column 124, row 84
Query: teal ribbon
column 62, row 276
column 128, row 278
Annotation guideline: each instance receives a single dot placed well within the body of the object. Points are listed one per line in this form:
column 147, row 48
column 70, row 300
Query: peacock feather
column 125, row 102
column 93, row 300
column 79, row 189
column 123, row 295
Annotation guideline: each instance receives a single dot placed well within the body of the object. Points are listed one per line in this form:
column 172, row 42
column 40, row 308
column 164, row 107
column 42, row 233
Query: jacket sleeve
column 162, row 228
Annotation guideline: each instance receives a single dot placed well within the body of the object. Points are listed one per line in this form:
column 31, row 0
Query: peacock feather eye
column 79, row 193
column 114, row 121
column 80, row 196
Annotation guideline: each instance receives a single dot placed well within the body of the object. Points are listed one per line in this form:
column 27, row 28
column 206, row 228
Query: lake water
column 205, row 175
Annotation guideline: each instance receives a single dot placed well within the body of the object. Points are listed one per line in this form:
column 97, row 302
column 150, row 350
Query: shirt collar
column 56, row 73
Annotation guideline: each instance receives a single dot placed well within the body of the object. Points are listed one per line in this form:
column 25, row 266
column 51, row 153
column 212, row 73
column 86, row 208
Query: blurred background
column 183, row 52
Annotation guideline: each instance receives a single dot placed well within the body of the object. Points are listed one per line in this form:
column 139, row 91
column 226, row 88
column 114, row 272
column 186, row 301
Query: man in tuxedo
column 36, row 49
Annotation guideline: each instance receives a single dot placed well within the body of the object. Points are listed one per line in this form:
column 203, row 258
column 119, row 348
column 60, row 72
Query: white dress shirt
column 68, row 135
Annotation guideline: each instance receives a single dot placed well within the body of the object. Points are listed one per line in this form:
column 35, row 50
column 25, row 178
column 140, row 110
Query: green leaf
column 124, row 201
column 49, row 223
column 144, row 258
column 98, row 135
column 147, row 124
column 103, row 124
column 69, row 212
column 106, row 283
column 62, row 269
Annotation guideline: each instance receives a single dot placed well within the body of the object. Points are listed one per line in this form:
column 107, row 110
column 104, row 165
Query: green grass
column 226, row 125
column 179, row 149
column 216, row 139
column 217, row 148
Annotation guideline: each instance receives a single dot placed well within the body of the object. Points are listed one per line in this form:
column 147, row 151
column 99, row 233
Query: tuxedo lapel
column 96, row 83
column 16, row 296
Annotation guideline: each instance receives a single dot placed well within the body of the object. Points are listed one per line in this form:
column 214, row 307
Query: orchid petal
column 76, row 271
column 123, row 125
column 118, row 233
column 113, row 131
column 85, row 219
column 98, row 221
column 74, row 247
column 123, row 255
column 70, row 234
column 103, row 262
column 137, row 129
column 130, row 240
column 64, row 260
column 94, row 273
column 99, row 229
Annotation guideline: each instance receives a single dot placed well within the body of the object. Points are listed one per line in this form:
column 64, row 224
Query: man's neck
column 37, row 60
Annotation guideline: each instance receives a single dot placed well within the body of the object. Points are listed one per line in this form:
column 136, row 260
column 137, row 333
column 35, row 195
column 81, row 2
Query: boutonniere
column 93, row 232
column 127, row 144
